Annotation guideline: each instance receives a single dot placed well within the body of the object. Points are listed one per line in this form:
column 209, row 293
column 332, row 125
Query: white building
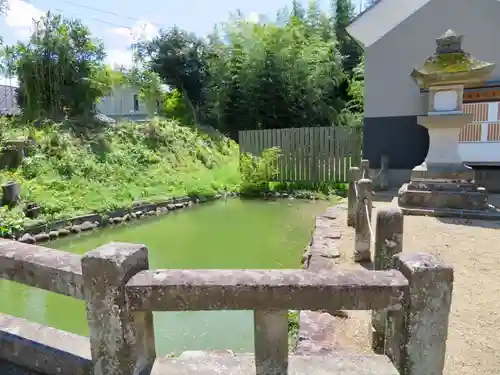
column 124, row 103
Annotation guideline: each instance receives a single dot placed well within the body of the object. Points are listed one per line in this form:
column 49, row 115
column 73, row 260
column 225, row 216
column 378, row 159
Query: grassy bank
column 68, row 175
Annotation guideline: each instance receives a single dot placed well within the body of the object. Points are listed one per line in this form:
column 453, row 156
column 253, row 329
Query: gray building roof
column 8, row 101
column 376, row 21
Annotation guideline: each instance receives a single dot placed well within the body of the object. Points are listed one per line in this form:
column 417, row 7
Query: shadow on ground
column 489, row 224
column 384, row 196
column 7, row 368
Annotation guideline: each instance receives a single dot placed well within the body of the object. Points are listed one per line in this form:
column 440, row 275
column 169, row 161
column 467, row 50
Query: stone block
column 388, row 242
column 44, row 349
column 184, row 290
column 316, row 333
column 427, row 314
column 443, row 199
column 122, row 342
column 338, row 363
column 362, row 238
column 271, row 342
column 53, row 270
column 353, row 177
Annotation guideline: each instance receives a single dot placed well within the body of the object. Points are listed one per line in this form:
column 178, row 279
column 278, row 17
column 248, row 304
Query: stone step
column 458, row 200
column 443, row 186
column 333, row 364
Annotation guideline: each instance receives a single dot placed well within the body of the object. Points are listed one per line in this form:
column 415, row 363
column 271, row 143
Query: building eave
column 377, row 20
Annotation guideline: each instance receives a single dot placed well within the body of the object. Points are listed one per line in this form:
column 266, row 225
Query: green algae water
column 224, row 234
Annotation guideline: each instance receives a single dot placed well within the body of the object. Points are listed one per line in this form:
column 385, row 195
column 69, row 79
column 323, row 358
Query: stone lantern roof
column 451, row 65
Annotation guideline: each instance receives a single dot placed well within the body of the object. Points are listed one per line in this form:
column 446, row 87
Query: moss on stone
column 451, row 63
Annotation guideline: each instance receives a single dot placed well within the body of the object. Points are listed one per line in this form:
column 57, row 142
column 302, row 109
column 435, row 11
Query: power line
column 95, row 19
column 99, row 10
column 111, row 13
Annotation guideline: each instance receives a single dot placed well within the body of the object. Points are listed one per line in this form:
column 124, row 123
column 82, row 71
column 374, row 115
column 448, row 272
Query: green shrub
column 258, row 172
column 293, row 327
column 69, row 175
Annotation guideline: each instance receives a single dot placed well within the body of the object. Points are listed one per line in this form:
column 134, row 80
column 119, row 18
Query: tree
column 349, row 49
column 262, row 76
column 60, row 70
column 178, row 58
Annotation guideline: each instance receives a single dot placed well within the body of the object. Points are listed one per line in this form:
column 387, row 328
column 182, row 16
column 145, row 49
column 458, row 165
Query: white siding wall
column 121, row 103
column 389, row 89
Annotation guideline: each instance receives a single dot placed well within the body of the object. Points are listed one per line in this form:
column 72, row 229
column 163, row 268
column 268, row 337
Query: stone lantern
column 443, row 184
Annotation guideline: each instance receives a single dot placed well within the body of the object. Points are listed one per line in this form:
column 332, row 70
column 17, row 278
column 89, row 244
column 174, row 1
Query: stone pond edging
column 63, row 228
column 316, row 329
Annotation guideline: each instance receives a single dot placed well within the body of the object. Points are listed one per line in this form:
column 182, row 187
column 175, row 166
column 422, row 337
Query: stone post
column 365, row 168
column 388, row 242
column 383, row 179
column 271, row 342
column 426, row 315
column 121, row 342
column 353, row 177
column 362, row 238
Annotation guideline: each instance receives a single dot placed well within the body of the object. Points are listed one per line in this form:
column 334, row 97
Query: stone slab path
column 473, row 248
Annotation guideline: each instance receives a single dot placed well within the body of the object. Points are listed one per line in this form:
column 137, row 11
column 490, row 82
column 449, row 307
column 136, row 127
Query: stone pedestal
column 443, row 185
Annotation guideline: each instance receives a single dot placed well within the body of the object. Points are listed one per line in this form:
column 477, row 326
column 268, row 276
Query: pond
column 225, row 234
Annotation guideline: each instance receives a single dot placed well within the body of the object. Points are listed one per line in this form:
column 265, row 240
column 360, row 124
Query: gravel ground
column 473, row 248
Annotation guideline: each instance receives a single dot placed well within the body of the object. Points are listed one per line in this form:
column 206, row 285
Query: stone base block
column 444, row 186
column 338, row 363
column 410, row 196
column 491, row 214
column 443, row 172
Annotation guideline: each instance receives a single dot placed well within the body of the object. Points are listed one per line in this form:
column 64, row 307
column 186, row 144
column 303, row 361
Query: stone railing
column 359, row 210
column 121, row 293
column 426, row 274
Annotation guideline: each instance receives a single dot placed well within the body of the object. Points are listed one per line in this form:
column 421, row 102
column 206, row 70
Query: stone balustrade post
column 271, row 342
column 121, row 342
column 362, row 239
column 383, row 179
column 416, row 339
column 388, row 242
column 353, row 177
column 365, row 168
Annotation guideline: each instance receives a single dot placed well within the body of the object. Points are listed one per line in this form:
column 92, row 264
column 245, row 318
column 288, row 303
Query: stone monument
column 443, row 185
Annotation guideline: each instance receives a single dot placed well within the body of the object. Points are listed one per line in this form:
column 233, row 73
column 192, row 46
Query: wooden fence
column 308, row 154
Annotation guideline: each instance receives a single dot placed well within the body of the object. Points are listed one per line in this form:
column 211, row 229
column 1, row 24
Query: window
column 136, row 102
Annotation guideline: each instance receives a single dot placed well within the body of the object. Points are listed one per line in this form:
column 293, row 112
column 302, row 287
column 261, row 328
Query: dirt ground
column 473, row 248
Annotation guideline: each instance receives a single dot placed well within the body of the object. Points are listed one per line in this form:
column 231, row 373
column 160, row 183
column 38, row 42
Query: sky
column 118, row 22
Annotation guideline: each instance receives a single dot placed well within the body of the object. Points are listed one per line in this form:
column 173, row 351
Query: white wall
column 121, row 102
column 389, row 89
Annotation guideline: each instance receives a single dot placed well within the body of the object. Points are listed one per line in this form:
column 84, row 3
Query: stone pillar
column 362, row 238
column 271, row 342
column 365, row 168
column 121, row 342
column 388, row 242
column 353, row 177
column 427, row 313
column 383, row 179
